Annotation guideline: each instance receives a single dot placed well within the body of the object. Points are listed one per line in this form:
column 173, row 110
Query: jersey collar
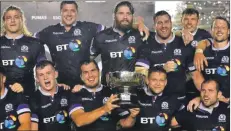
column 194, row 33
column 149, row 92
column 45, row 93
column 217, row 49
column 74, row 24
column 4, row 95
column 99, row 88
column 171, row 40
column 210, row 110
column 18, row 37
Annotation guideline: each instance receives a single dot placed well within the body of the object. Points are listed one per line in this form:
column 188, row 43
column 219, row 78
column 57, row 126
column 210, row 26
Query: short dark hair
column 221, row 18
column 190, row 11
column 161, row 13
column 88, row 61
column 159, row 69
column 211, row 80
column 124, row 3
column 68, row 2
column 44, row 63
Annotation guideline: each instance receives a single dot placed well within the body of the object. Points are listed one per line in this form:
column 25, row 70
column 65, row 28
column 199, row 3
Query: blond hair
column 25, row 31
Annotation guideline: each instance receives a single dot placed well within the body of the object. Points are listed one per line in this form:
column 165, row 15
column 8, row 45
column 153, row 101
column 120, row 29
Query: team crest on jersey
column 164, row 105
column 225, row 59
column 194, row 43
column 9, row 107
column 222, row 118
column 63, row 102
column 132, row 40
column 177, row 52
column 105, row 99
column 24, row 48
column 77, row 32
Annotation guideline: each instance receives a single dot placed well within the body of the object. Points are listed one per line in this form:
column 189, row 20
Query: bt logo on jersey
column 20, row 62
column 128, row 53
column 73, row 45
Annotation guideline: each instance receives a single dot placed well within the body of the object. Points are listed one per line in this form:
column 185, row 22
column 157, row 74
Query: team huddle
column 186, row 73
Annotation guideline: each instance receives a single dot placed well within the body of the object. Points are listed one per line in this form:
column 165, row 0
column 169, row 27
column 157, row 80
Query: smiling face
column 90, row 75
column 220, row 30
column 163, row 26
column 157, row 82
column 46, row 77
column 69, row 14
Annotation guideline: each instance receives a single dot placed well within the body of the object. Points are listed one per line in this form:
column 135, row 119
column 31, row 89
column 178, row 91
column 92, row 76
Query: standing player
column 69, row 42
column 167, row 50
column 19, row 52
column 118, row 45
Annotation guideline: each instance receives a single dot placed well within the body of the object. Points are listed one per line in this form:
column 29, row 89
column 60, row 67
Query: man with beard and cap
column 93, row 107
column 156, row 107
column 118, row 45
column 211, row 115
column 15, row 112
column 217, row 55
column 166, row 50
column 69, row 41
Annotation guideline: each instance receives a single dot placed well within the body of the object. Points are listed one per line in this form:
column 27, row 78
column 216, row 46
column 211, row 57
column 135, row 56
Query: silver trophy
column 126, row 85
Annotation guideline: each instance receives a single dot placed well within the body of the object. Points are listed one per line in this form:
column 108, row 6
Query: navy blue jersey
column 12, row 105
column 69, row 48
column 51, row 113
column 156, row 53
column 205, row 119
column 118, row 53
column 19, row 56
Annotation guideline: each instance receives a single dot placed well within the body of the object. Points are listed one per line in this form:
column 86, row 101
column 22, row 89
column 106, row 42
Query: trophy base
column 127, row 105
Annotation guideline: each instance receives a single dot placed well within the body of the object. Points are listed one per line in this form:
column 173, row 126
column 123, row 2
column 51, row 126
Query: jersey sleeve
column 41, row 53
column 182, row 117
column 23, row 106
column 95, row 47
column 43, row 35
column 142, row 56
column 75, row 102
column 34, row 105
column 95, row 28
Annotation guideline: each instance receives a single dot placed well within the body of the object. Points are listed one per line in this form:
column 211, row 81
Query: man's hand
column 65, row 87
column 134, row 112
column 223, row 99
column 170, row 66
column 77, row 88
column 199, row 60
column 187, row 36
column 193, row 104
column 108, row 107
column 142, row 28
column 16, row 87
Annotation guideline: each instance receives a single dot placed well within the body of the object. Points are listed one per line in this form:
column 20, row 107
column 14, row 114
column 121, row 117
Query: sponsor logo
column 47, row 105
column 10, row 122
column 129, row 53
column 20, row 61
column 209, row 58
column 5, row 47
column 161, row 119
column 157, row 52
column 58, row 33
column 200, row 116
column 87, row 99
column 218, row 128
column 110, row 41
column 75, row 46
column 39, row 17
